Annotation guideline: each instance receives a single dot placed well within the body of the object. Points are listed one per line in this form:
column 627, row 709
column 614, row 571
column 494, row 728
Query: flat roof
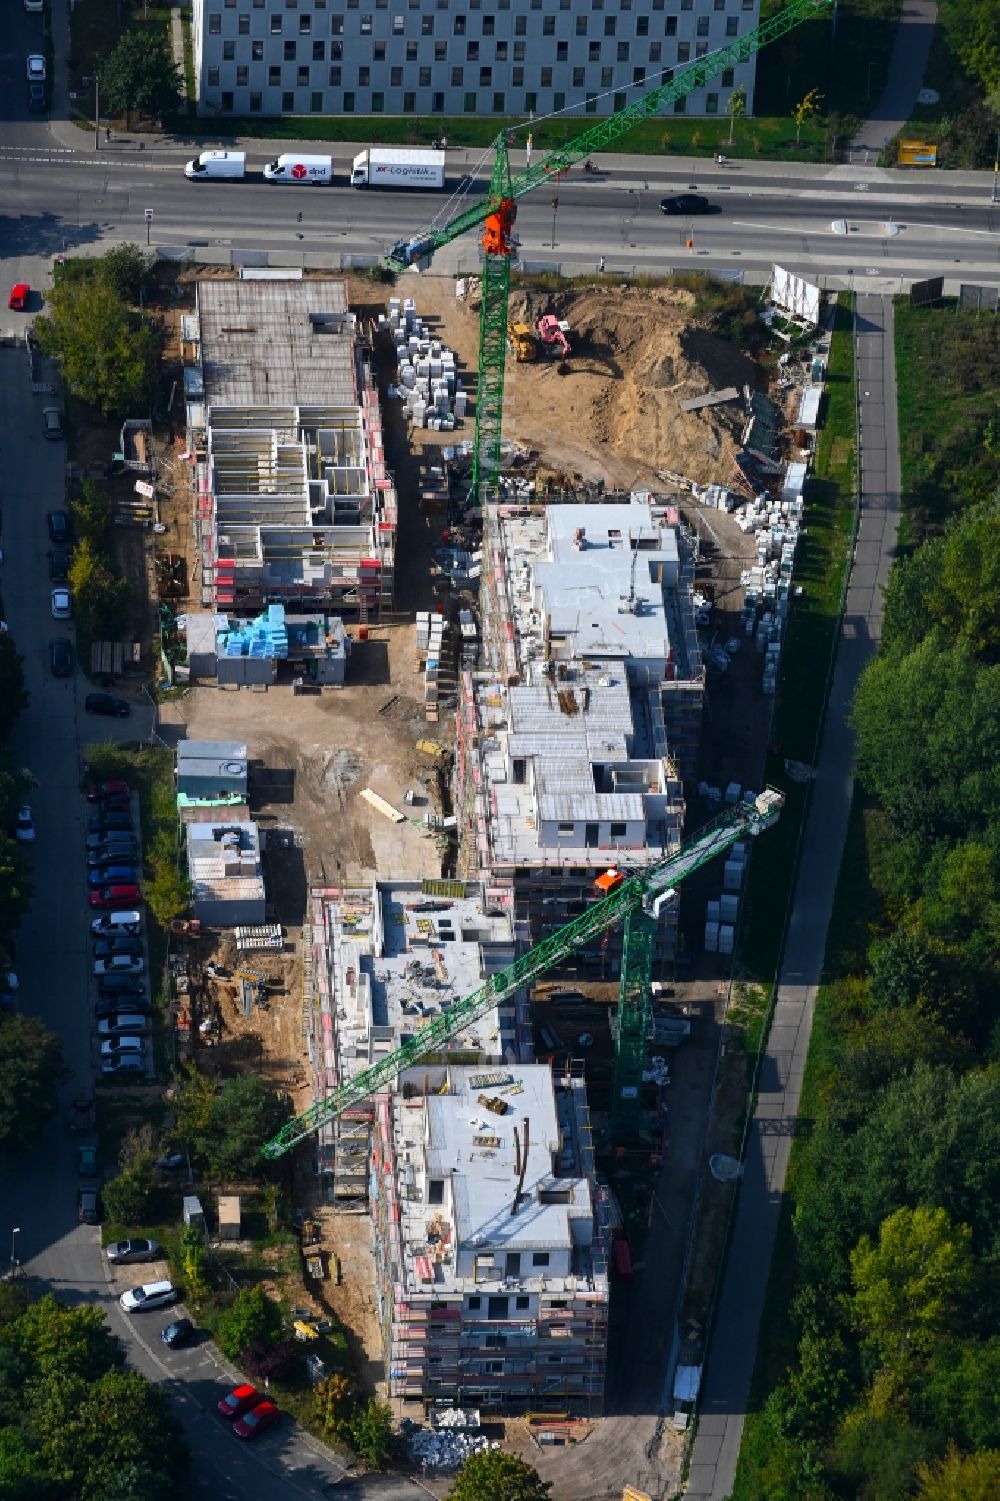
column 399, row 958
column 277, row 343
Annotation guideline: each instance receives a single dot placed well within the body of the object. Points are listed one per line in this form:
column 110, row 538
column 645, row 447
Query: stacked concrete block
column 426, row 378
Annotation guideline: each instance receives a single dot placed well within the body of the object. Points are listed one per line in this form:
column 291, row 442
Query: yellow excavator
column 522, row 341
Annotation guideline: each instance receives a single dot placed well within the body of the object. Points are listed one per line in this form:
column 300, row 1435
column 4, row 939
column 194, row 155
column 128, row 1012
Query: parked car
column 58, row 564
column 109, row 839
column 98, row 792
column 118, row 943
column 110, row 854
column 25, row 831
column 238, row 1401
column 61, row 657
column 170, row 1161
column 18, row 299
column 149, row 1295
column 88, row 1208
column 123, row 1252
column 107, row 1006
column 123, row 1024
column 125, row 1063
column 112, row 875
column 107, row 703
column 62, row 604
column 117, row 1004
column 114, row 1046
column 115, row 896
column 36, row 68
column 86, row 1161
column 58, row 523
column 123, row 986
column 178, row 1334
column 259, row 1418
column 118, row 922
column 115, row 805
column 38, row 96
column 102, row 823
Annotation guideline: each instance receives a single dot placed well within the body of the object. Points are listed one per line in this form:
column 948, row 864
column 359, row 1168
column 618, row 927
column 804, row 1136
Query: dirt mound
column 617, row 412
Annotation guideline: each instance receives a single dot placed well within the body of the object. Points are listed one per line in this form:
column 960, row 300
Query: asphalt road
column 57, row 199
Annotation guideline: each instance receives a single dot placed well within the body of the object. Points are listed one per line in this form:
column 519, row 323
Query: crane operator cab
column 609, row 881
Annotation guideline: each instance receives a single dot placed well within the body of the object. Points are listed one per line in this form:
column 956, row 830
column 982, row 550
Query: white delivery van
column 300, row 169
column 395, row 167
column 216, row 164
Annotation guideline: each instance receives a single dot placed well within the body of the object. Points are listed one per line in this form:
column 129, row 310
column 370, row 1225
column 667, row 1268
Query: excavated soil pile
column 616, row 413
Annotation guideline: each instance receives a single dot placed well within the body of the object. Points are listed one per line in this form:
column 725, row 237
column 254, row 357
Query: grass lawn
column 672, row 135
column 94, row 30
column 812, row 632
column 848, row 65
column 947, row 372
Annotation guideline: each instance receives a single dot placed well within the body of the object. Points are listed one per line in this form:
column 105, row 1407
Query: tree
column 245, row 1113
column 93, row 511
column 253, row 1318
column 128, row 1197
column 127, row 269
column 736, row 108
column 806, row 109
column 195, row 1265
column 101, row 596
column 30, row 1062
column 139, row 75
column 23, row 1477
column 89, row 1435
column 971, row 28
column 15, row 895
column 168, row 893
column 495, row 1476
column 332, row 1399
column 960, row 1477
column 194, row 1098
column 371, row 1434
column 280, row 1362
column 13, row 694
column 68, row 1343
column 108, row 355
column 912, row 1286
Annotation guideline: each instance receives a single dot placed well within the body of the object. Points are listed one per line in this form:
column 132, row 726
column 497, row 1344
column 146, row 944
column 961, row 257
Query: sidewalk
column 910, row 50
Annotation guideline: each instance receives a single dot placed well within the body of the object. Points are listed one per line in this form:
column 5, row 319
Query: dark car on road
column 107, row 703
column 102, row 822
column 124, row 986
column 61, row 657
column 178, row 1334
column 685, row 203
column 88, row 1207
column 107, row 1006
column 58, row 564
column 121, row 943
column 58, row 522
column 38, row 97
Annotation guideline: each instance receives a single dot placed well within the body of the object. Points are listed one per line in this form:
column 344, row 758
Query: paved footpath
column 734, row 1343
column 911, row 47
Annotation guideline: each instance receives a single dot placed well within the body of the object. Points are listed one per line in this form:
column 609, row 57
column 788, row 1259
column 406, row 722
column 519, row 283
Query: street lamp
column 16, row 1230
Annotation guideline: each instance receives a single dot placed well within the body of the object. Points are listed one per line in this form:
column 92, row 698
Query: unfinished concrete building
column 491, row 1243
column 574, row 736
column 383, row 961
column 294, row 503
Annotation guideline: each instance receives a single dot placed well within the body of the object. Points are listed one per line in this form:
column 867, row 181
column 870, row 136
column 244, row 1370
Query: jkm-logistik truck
column 393, row 167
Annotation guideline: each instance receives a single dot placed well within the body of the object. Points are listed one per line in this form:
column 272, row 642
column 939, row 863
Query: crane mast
column 637, row 898
column 498, row 210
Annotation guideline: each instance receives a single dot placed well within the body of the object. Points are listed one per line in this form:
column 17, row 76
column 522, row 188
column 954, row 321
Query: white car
column 150, row 1295
column 61, row 606
column 114, row 1047
column 123, row 1024
column 36, row 68
column 34, row 4
column 120, row 964
column 25, row 825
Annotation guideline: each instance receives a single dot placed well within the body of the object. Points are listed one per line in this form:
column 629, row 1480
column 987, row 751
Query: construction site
column 437, row 857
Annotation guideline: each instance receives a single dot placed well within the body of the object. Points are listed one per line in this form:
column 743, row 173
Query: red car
column 121, row 897
column 239, row 1401
column 19, row 294
column 99, row 792
column 264, row 1415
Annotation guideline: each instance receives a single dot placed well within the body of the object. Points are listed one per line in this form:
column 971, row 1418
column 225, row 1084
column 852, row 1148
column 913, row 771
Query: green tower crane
column 497, row 211
column 638, row 900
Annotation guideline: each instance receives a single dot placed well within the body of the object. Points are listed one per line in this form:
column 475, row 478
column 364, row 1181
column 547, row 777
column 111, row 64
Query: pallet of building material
column 381, row 806
column 431, row 748
column 260, row 936
column 710, row 399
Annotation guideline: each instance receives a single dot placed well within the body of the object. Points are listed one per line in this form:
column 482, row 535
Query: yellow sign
column 917, row 154
column 631, row 1494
